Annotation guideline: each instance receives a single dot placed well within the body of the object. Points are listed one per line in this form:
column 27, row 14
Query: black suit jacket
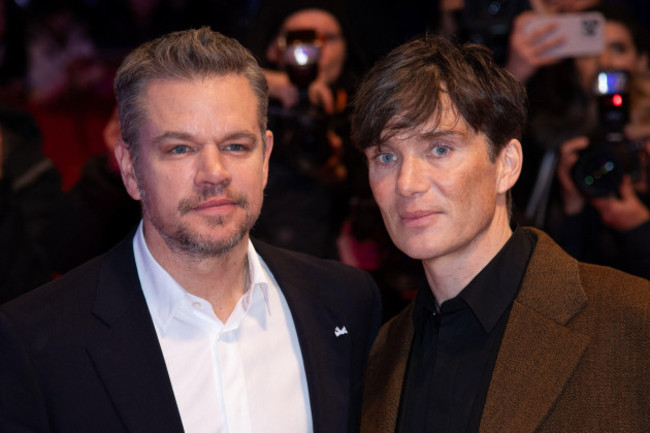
column 81, row 353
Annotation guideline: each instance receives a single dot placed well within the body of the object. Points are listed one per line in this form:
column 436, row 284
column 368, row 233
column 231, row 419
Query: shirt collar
column 165, row 296
column 493, row 290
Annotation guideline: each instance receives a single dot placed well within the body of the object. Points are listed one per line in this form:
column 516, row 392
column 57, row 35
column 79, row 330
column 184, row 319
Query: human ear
column 127, row 169
column 510, row 160
column 268, row 138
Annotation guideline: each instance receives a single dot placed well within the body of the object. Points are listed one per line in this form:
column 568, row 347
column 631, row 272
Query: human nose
column 211, row 168
column 605, row 60
column 411, row 178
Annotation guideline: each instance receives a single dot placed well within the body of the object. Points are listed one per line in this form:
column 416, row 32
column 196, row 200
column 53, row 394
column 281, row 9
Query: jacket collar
column 539, row 352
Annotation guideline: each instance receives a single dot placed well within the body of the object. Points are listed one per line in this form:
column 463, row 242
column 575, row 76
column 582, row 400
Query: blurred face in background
column 328, row 29
column 619, row 52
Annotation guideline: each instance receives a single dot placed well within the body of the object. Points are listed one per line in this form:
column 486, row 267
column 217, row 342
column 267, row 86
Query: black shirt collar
column 492, row 291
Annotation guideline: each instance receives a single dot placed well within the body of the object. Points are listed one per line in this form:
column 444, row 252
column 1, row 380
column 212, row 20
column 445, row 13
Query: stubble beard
column 181, row 238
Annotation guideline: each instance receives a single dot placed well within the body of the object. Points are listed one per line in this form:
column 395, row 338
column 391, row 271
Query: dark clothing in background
column 21, row 266
column 300, row 212
column 92, row 217
column 35, row 181
column 29, row 188
column 586, row 238
column 455, row 346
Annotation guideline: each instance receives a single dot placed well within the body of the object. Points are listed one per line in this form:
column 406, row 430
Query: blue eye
column 386, row 158
column 181, row 149
column 235, row 147
column 441, row 150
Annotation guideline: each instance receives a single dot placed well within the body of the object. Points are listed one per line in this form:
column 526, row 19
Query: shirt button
column 196, row 305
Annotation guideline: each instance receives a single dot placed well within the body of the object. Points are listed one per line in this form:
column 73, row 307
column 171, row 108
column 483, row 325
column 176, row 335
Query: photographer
column 332, row 45
column 611, row 229
column 308, row 184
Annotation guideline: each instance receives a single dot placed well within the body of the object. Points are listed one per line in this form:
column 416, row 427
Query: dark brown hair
column 189, row 54
column 403, row 91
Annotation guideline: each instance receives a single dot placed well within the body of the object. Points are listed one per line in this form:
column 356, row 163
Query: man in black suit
column 187, row 325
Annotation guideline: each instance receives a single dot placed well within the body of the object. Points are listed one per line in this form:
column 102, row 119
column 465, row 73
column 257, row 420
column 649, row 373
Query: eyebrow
column 430, row 135
column 424, row 135
column 184, row 136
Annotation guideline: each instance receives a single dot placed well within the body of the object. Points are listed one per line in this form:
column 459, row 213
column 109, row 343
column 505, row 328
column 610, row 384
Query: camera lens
column 598, row 172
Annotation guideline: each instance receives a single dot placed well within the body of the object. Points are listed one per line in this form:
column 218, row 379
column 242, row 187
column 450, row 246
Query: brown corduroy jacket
column 575, row 356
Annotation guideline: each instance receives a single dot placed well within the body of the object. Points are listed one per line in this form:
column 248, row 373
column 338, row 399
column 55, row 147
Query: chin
column 415, row 251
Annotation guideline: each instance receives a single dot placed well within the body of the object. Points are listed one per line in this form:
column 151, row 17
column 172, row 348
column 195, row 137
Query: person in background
column 29, row 187
column 554, row 115
column 528, row 50
column 507, row 332
column 612, row 229
column 96, row 213
column 329, row 21
column 63, row 62
column 609, row 231
column 308, row 189
column 188, row 325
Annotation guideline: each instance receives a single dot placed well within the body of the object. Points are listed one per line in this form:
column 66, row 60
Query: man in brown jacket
column 507, row 333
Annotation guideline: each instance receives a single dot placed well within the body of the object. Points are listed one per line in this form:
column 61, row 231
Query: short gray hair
column 189, row 54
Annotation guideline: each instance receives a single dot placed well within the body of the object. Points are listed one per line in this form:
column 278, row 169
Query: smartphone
column 582, row 32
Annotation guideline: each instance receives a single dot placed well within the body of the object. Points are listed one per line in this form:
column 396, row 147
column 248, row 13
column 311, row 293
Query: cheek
column 586, row 71
column 381, row 189
column 625, row 61
column 331, row 58
column 165, row 188
column 474, row 188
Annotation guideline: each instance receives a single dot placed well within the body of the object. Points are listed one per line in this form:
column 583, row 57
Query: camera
column 301, row 130
column 600, row 168
column 300, row 54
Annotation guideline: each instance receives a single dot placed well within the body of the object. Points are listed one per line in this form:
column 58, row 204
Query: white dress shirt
column 245, row 375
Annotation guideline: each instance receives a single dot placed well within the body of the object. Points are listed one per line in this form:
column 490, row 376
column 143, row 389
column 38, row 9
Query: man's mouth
column 211, row 203
column 417, row 217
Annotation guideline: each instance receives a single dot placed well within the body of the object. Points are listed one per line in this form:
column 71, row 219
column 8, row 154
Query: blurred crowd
column 61, row 196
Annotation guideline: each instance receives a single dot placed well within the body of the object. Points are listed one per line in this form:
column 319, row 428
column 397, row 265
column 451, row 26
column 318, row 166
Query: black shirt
column 455, row 346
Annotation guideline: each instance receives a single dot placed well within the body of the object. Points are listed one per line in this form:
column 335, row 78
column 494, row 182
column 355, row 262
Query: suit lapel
column 385, row 371
column 538, row 353
column 125, row 350
column 325, row 355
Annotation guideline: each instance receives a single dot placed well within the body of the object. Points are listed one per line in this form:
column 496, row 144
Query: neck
column 448, row 275
column 220, row 280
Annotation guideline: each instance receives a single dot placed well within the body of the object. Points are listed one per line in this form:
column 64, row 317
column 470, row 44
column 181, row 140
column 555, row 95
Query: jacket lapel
column 125, row 350
column 325, row 355
column 384, row 376
column 538, row 353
